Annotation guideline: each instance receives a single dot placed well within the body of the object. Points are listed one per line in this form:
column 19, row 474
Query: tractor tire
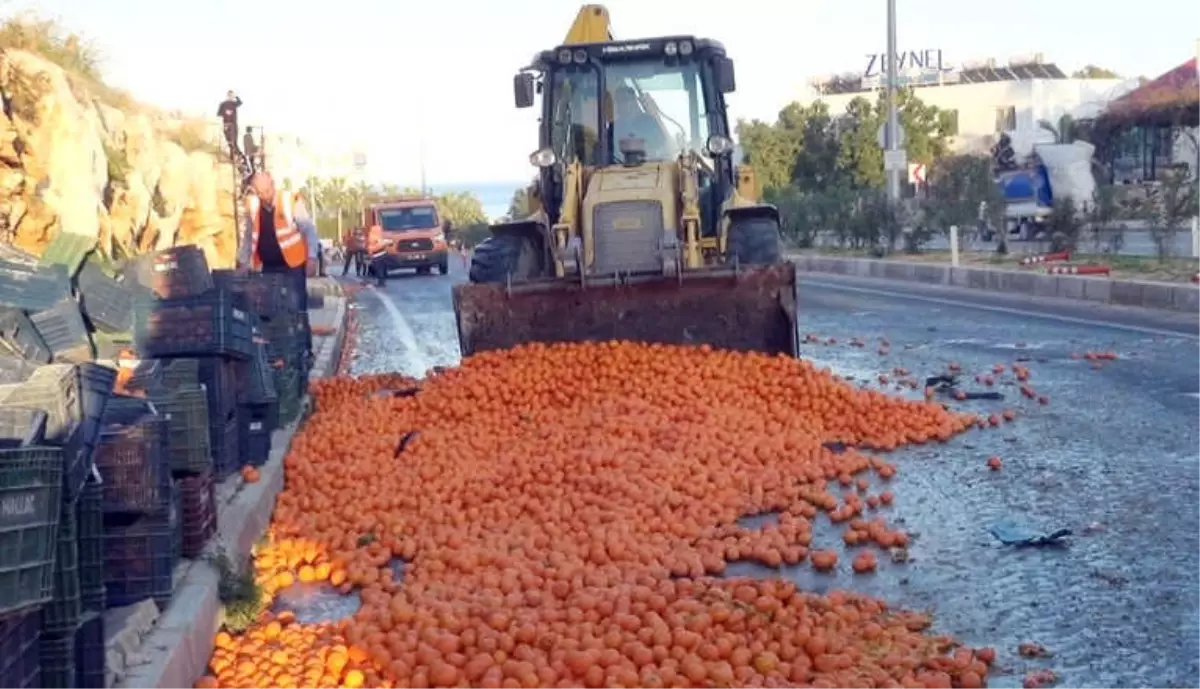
column 444, row 267
column 502, row 256
column 755, row 241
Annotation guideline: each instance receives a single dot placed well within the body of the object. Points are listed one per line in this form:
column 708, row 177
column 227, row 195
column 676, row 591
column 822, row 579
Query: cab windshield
column 662, row 105
column 412, row 218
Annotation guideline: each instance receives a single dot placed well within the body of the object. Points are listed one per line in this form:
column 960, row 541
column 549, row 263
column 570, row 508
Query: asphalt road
column 1112, row 456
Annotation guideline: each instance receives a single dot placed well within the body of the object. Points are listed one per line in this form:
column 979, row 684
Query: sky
column 382, row 75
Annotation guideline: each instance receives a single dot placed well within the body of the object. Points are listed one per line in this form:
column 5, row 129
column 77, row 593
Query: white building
column 989, row 98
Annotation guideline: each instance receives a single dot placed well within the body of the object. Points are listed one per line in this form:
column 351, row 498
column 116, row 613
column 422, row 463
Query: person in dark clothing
column 227, row 111
column 250, row 149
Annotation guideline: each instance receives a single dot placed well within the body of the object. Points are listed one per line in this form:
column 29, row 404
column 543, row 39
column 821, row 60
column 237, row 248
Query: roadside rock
column 70, row 162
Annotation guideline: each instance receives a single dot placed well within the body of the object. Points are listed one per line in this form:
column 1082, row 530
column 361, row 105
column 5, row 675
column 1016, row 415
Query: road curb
column 1167, row 296
column 176, row 651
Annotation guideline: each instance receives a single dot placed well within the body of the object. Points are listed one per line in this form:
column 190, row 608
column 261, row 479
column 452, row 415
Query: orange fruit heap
column 565, row 511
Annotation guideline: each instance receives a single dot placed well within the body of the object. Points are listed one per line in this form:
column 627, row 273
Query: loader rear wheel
column 755, row 240
column 501, row 256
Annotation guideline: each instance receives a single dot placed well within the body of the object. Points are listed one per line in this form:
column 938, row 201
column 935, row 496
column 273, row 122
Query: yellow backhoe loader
column 642, row 226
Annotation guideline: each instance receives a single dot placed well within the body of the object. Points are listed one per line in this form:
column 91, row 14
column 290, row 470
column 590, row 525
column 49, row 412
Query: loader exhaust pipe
column 747, row 309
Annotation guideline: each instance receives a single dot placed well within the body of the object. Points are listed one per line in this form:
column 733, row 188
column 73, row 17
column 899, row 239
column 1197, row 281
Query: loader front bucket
column 750, row 309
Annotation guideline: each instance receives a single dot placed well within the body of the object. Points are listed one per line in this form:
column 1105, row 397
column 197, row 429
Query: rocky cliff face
column 136, row 179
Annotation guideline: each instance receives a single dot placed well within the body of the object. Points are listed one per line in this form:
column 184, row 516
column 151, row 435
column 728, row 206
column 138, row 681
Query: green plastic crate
column 186, row 412
column 62, row 613
column 30, row 504
column 69, row 250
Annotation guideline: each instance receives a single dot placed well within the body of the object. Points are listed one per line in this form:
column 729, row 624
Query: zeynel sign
column 929, row 59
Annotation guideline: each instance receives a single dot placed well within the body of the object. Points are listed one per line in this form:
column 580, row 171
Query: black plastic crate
column 64, row 332
column 97, row 382
column 30, row 501
column 90, row 654
column 197, row 511
column 256, row 423
column 140, row 557
column 58, row 659
column 20, row 651
column 107, row 303
column 175, row 273
column 223, row 438
column 207, row 325
column 22, row 427
column 19, row 337
column 258, row 385
column 33, row 288
column 90, row 520
column 126, row 410
column 267, row 295
column 132, row 460
column 61, row 614
column 186, row 413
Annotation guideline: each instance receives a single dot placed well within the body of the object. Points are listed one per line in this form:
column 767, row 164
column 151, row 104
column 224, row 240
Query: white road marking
column 417, row 363
column 1003, row 309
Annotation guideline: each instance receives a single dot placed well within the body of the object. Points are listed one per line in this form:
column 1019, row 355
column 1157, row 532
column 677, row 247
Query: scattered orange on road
column 565, row 513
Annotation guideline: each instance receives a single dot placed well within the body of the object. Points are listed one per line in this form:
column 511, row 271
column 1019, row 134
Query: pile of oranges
column 565, row 514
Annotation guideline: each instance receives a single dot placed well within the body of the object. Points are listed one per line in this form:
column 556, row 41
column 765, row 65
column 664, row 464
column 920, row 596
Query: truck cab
column 408, row 232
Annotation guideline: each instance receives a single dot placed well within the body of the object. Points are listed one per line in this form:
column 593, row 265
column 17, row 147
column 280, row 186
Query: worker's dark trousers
column 359, row 259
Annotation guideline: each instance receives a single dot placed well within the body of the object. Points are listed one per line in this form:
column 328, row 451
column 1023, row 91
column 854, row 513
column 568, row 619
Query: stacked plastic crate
column 205, row 332
column 30, row 500
column 140, row 517
column 59, row 404
column 269, row 393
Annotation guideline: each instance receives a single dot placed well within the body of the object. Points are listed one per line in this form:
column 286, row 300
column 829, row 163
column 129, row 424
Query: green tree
column 770, row 150
column 859, row 157
column 461, row 209
column 1094, row 72
column 817, row 150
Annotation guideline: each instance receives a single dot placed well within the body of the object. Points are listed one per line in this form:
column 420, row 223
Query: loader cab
column 627, row 102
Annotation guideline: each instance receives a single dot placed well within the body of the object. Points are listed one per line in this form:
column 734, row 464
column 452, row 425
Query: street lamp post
column 893, row 119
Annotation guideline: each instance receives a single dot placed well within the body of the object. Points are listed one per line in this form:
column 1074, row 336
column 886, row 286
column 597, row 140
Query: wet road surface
column 1111, row 456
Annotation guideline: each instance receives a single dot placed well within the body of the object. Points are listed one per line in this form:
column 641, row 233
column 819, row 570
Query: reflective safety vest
column 291, row 241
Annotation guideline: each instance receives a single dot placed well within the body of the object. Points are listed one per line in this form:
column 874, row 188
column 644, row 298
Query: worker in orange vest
column 280, row 237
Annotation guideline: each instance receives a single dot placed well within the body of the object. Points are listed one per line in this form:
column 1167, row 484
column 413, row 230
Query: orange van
column 411, row 233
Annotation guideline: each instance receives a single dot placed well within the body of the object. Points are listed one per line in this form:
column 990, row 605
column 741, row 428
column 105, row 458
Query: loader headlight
column 564, row 56
column 671, row 49
column 543, row 158
column 685, row 48
column 719, row 145
column 580, row 56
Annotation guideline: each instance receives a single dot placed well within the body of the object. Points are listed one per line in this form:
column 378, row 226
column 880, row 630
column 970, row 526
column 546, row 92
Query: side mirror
column 723, row 72
column 523, row 90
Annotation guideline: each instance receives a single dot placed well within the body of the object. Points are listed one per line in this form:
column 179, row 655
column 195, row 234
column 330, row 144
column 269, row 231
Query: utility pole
column 893, row 119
